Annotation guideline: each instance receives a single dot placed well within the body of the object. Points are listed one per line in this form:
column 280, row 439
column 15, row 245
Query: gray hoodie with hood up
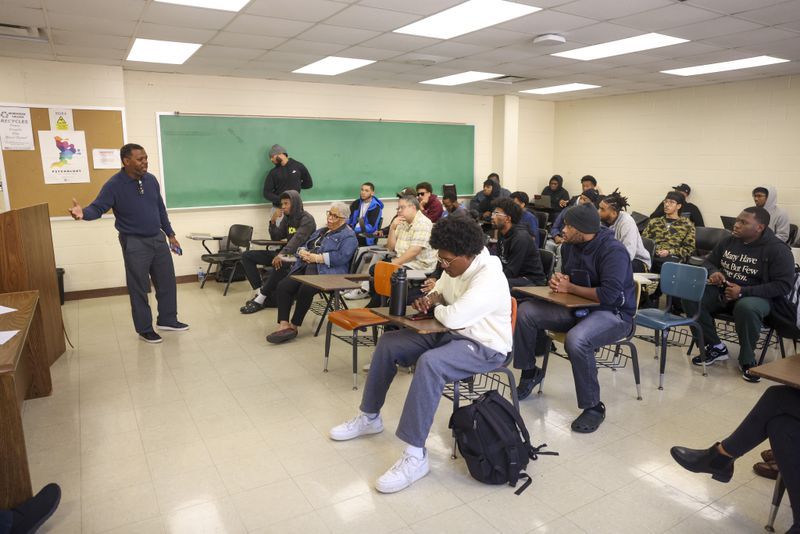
column 778, row 218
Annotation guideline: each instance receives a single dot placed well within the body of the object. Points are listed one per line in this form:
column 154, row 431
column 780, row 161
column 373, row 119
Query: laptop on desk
column 727, row 222
column 543, row 202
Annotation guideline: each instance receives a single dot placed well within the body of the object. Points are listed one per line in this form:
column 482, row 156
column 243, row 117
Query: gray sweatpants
column 440, row 358
column 146, row 258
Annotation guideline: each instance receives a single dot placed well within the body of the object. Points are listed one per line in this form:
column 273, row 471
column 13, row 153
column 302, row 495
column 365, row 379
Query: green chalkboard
column 222, row 161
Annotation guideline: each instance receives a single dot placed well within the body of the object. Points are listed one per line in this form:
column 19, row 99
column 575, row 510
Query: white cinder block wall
column 722, row 140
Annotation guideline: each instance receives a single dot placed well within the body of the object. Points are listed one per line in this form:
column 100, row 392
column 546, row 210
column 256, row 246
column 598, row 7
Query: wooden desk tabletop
column 268, row 242
column 423, row 326
column 25, row 304
column 563, row 299
column 204, row 237
column 786, row 371
column 328, row 282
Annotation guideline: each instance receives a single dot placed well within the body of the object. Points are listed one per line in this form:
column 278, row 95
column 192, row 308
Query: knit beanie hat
column 275, row 150
column 583, row 218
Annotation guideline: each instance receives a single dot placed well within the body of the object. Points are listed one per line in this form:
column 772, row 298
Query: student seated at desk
column 673, row 234
column 429, row 203
column 296, row 225
column 409, row 236
column 613, row 214
column 596, row 267
column 557, row 194
column 452, row 207
column 365, row 214
column 329, row 250
column 527, row 218
column 516, row 249
column 483, row 338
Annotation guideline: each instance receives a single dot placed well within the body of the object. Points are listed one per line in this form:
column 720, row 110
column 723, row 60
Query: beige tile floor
column 215, row 431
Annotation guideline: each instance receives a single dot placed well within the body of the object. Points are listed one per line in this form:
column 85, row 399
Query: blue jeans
column 584, row 335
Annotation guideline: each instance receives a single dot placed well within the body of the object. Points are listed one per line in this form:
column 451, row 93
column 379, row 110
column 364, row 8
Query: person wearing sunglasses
column 429, row 203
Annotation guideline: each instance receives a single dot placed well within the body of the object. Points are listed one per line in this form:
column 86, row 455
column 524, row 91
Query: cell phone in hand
column 176, row 250
column 420, row 316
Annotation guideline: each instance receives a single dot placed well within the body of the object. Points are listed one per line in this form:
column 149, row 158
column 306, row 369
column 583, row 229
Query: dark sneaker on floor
column 30, row 515
column 748, row 376
column 713, row 354
column 281, row 336
column 251, row 306
column 176, row 326
column 150, row 337
column 526, row 385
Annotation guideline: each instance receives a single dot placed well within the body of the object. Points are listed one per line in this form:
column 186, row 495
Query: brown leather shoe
column 281, row 336
column 767, row 455
column 766, row 469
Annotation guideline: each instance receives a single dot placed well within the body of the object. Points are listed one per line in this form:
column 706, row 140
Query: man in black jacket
column 688, row 210
column 516, row 249
column 288, row 174
column 749, row 271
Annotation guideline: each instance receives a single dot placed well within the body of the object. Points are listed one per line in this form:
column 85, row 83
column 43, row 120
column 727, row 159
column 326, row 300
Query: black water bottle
column 399, row 280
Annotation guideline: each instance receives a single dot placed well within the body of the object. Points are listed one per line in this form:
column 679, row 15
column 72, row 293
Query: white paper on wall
column 16, row 132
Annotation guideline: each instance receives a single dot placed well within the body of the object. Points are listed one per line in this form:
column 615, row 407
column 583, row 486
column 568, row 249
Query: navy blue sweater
column 608, row 265
column 137, row 214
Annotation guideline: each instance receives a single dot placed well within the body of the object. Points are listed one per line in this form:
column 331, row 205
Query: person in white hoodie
column 612, row 213
column 473, row 301
column 766, row 196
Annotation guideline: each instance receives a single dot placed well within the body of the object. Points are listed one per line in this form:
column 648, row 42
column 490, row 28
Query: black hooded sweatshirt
column 556, row 196
column 763, row 268
column 519, row 255
column 297, row 225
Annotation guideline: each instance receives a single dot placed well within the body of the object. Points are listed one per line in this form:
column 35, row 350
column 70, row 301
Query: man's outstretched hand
column 76, row 211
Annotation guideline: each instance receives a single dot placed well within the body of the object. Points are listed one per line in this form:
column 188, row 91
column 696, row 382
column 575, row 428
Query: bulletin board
column 24, row 177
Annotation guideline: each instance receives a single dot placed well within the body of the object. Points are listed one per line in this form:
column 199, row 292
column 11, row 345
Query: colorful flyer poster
column 61, row 119
column 64, row 158
column 15, row 129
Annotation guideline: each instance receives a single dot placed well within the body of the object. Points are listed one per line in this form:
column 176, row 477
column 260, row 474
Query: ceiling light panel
column 723, row 66
column 647, row 41
column 333, row 65
column 566, row 88
column 462, row 78
column 155, row 51
column 467, row 17
column 222, row 5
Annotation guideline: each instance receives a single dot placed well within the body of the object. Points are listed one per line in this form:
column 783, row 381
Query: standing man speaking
column 141, row 220
column 288, row 174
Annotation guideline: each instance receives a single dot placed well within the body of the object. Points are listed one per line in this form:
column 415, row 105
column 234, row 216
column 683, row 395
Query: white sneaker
column 366, row 367
column 359, row 425
column 403, row 473
column 356, row 294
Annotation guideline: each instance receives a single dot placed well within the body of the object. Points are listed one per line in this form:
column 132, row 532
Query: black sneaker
column 251, row 306
column 32, row 514
column 526, row 385
column 713, row 354
column 748, row 376
column 150, row 337
column 176, row 326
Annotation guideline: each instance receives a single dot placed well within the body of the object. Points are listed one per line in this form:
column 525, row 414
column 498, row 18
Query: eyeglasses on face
column 421, row 193
column 499, row 214
column 332, row 215
column 446, row 263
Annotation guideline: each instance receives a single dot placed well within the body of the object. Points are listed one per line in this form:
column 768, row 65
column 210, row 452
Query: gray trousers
column 149, row 258
column 440, row 358
column 597, row 329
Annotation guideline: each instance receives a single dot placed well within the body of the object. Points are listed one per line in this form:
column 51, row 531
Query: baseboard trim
column 115, row 291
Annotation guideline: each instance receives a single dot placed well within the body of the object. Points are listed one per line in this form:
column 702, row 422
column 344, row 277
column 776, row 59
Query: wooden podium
column 27, row 263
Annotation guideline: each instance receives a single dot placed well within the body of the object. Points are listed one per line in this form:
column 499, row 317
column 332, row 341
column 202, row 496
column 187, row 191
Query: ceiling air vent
column 24, row 33
column 508, row 80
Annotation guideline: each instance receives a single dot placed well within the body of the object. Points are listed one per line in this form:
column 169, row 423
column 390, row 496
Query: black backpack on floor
column 493, row 440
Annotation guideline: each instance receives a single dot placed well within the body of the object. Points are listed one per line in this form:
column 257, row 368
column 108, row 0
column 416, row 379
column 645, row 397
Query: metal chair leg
column 777, row 496
column 456, row 394
column 327, row 345
column 766, row 345
column 328, row 302
column 355, row 358
column 545, row 361
column 663, row 362
column 656, row 339
column 230, row 279
column 208, row 273
column 635, row 365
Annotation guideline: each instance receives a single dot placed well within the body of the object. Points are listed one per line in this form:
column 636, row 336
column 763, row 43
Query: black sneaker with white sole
column 747, row 376
column 150, row 337
column 713, row 354
column 176, row 326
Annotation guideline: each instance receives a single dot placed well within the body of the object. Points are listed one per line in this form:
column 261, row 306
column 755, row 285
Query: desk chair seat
column 478, row 384
column 359, row 319
column 681, row 281
column 239, row 236
column 606, row 356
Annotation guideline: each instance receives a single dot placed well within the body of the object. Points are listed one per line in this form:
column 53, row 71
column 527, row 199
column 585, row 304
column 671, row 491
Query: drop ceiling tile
column 400, row 42
column 369, row 18
column 148, row 30
column 187, row 17
column 713, row 28
column 775, row 14
column 503, row 55
column 67, row 21
column 61, row 37
column 23, row 3
column 118, row 9
column 267, row 26
column 418, row 7
column 310, row 47
column 786, row 49
column 666, row 17
column 601, row 32
column 391, row 67
column 733, row 6
column 764, row 35
column 243, row 40
column 91, row 61
column 90, row 52
column 305, row 10
column 549, row 62
column 30, row 47
column 228, row 52
column 22, row 16
column 684, row 50
column 326, row 33
column 365, row 52
column 792, row 26
column 492, row 37
column 222, row 63
column 286, row 61
column 421, row 58
column 546, row 22
column 454, row 49
column 716, row 57
column 465, row 64
column 611, row 10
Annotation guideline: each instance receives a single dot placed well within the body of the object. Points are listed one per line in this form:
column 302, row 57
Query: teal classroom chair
column 681, row 281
